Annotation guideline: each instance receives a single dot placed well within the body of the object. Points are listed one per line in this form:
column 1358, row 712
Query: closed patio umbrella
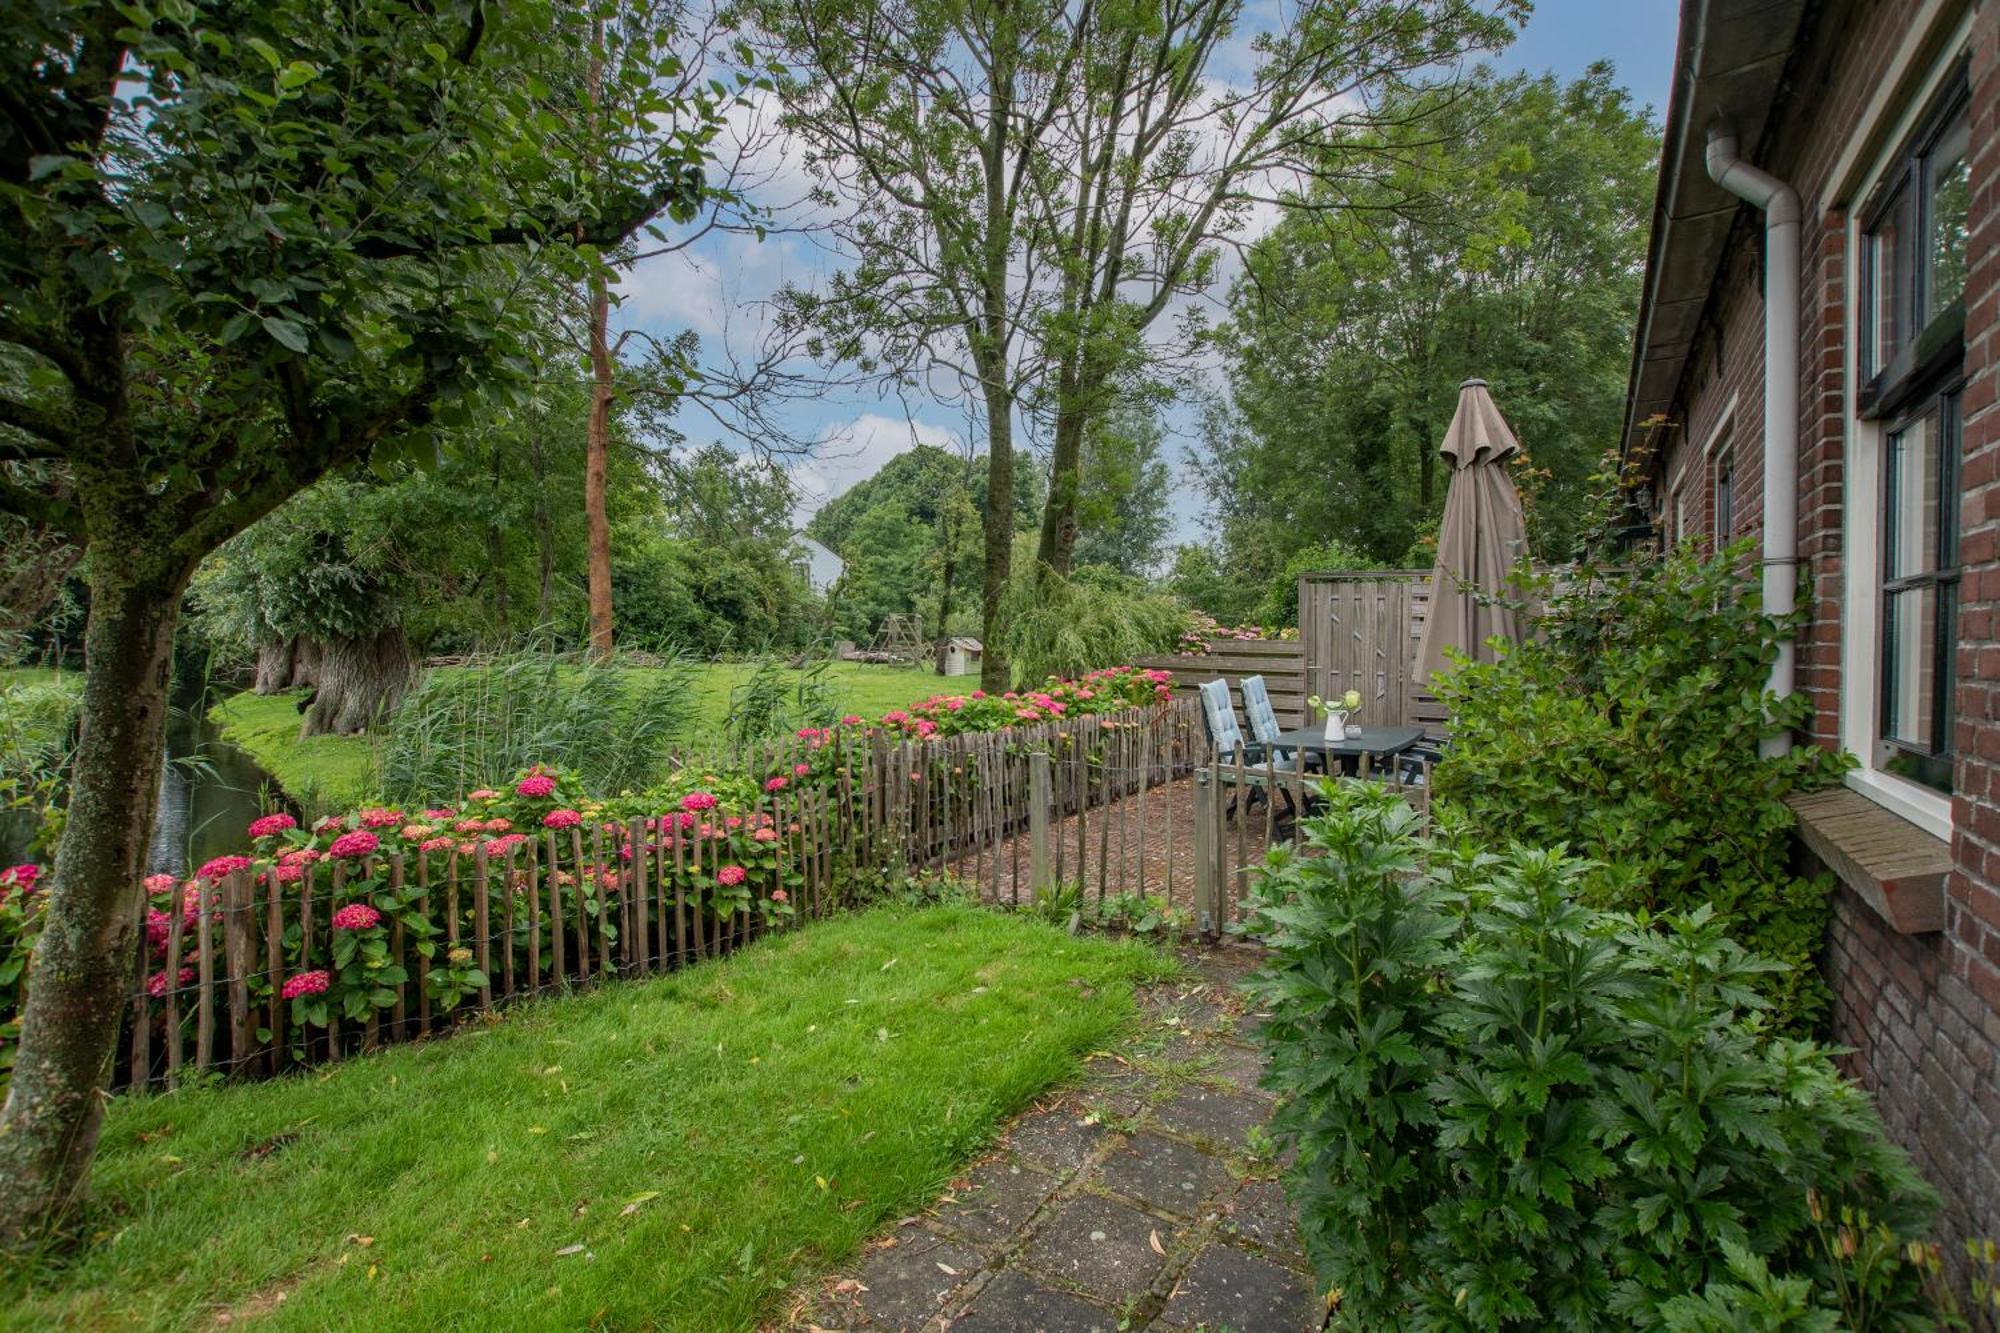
column 1481, row 538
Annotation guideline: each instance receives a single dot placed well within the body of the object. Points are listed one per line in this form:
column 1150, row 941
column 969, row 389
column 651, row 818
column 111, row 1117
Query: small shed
column 961, row 656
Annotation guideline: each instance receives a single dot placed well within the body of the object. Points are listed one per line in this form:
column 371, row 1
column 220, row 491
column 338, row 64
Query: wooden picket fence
column 605, row 900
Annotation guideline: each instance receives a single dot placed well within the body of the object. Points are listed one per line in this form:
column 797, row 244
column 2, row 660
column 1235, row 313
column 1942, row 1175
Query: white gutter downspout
column 1779, row 203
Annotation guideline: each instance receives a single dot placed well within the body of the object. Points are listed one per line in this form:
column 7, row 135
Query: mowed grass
column 706, row 1139
column 339, row 772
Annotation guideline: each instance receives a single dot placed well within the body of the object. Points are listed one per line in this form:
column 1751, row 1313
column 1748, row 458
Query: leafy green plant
column 1516, row 1110
column 1629, row 732
column 775, row 700
column 1067, row 627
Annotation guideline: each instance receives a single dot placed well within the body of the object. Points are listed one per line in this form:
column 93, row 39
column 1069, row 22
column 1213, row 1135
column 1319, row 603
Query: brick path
column 1143, row 1198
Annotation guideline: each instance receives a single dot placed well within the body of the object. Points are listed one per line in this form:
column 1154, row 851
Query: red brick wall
column 1922, row 1012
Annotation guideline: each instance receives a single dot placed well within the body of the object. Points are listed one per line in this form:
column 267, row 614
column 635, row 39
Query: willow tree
column 244, row 245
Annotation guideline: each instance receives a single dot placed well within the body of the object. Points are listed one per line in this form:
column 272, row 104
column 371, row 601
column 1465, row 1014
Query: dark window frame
column 1929, row 763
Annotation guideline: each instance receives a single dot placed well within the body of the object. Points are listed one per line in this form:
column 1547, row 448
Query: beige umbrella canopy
column 1481, row 538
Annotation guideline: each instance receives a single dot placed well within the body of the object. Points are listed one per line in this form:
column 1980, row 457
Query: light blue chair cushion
column 1226, row 732
column 1257, row 707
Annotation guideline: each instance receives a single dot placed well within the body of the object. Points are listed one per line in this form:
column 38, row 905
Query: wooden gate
column 1360, row 632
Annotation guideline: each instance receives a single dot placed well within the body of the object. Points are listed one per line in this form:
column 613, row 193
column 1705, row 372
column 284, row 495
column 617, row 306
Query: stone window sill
column 1898, row 869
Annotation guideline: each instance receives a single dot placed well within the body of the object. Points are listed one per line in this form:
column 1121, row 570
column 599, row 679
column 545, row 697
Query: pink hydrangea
column 158, row 927
column 330, row 824
column 687, row 819
column 536, row 786
column 222, row 866
column 291, row 872
column 697, row 800
column 356, row 916
column 435, row 845
column 156, row 884
column 470, row 826
column 732, row 821
column 483, row 794
column 766, row 835
column 356, row 844
column 157, row 985
column 561, row 819
column 800, row 770
column 20, row 877
column 895, row 717
column 441, row 813
column 306, row 983
column 780, row 896
column 270, row 826
column 978, row 694
column 731, row 876
column 415, row 832
column 851, row 720
column 498, row 825
column 380, row 817
column 776, row 785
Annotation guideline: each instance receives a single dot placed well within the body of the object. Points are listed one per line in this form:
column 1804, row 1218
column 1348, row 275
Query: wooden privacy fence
column 1281, row 662
column 448, row 932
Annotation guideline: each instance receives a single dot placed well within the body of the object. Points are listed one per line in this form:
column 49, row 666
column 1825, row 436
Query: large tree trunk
column 274, row 664
column 994, row 673
column 1056, row 550
column 83, row 967
column 596, row 456
column 360, row 682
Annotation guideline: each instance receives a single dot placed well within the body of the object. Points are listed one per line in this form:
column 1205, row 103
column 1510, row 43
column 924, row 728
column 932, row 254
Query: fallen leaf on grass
column 1154, row 1241
column 568, row 1250
column 946, row 1269
column 632, row 1204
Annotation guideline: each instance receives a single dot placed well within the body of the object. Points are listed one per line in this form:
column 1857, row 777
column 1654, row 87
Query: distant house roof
column 823, row 567
column 967, row 642
column 1730, row 65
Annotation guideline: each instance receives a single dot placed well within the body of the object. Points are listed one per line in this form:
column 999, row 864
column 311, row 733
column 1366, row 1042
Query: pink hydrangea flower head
column 356, row 916
column 20, row 877
column 270, row 826
column 561, row 819
column 158, row 926
column 800, row 770
column 306, row 983
column 766, row 835
column 435, row 845
column 222, row 866
column 776, row 785
column 483, row 794
column 731, row 876
column 926, row 727
column 157, row 985
column 415, row 832
column 469, row 826
column 851, row 720
column 698, row 800
column 733, row 821
column 688, row 819
column 979, row 694
column 357, row 844
column 441, row 813
column 780, row 896
column 536, row 786
column 160, row 883
column 330, row 824
column 380, row 817
column 498, row 825
column 895, row 717
column 291, row 872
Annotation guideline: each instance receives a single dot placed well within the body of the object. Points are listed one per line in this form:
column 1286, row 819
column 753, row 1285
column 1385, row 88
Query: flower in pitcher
column 1351, row 700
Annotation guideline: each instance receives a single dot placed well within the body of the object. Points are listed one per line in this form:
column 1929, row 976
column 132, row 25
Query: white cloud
column 857, row 451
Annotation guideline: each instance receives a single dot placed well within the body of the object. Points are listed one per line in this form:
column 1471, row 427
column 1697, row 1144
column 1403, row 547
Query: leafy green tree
column 244, row 246
column 1122, row 497
column 1507, row 243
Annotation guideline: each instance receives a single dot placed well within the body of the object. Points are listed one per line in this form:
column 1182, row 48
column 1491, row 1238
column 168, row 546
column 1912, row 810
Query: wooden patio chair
column 1226, row 735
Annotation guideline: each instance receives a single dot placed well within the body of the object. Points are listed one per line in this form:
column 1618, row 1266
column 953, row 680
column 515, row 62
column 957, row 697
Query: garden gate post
column 1207, row 888
column 1039, row 799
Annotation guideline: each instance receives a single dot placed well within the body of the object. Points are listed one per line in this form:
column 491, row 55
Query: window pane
column 1950, row 200
column 1913, row 500
column 1909, row 663
column 1888, row 267
column 1725, row 506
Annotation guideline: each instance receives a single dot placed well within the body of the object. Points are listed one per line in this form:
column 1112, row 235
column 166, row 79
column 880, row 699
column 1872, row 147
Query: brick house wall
column 1922, row 1011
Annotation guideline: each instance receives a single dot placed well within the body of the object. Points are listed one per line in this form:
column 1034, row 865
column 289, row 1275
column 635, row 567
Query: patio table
column 1381, row 744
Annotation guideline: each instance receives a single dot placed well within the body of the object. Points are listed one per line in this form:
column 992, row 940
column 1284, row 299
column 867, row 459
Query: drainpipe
column 1779, row 203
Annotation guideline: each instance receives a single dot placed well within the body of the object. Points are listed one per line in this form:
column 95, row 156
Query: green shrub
column 1513, row 1110
column 1629, row 732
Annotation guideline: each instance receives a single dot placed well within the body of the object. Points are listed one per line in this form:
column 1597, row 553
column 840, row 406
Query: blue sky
column 715, row 287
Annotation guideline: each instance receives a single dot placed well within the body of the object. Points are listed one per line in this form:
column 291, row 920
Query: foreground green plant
column 1629, row 732
column 663, row 1154
column 1514, row 1110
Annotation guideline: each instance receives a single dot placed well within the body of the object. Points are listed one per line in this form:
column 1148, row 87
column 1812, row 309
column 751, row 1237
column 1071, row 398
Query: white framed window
column 1904, row 370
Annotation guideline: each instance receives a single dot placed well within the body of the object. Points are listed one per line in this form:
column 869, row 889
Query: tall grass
column 1065, row 627
column 776, row 700
column 611, row 726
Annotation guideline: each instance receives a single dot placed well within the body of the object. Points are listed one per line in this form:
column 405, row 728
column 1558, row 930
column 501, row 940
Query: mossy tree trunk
column 84, row 964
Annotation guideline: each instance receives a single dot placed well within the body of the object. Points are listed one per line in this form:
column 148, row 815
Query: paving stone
column 1261, row 1214
column 906, row 1285
column 1101, row 1246
column 997, row 1198
column 1238, row 1066
column 1246, row 1025
column 1013, row 1303
column 1219, row 1117
column 1226, row 1288
column 1162, row 1173
column 1057, row 1139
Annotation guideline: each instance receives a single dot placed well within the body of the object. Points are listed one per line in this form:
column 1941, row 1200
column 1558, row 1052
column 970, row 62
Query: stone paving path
column 1145, row 1197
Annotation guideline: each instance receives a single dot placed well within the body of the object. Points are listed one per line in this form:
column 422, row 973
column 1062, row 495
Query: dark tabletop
column 1381, row 742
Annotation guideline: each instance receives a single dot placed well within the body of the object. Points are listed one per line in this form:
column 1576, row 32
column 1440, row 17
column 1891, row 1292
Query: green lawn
column 338, row 772
column 706, row 1139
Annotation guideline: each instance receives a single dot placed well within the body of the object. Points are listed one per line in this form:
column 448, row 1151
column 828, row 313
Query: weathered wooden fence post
column 1040, row 797
column 1207, row 886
